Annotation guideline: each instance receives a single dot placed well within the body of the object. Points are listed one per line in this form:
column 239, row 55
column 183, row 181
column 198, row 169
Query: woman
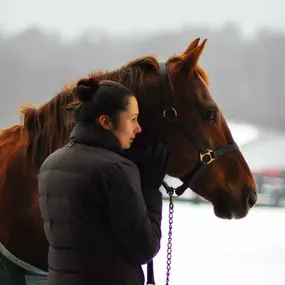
column 102, row 215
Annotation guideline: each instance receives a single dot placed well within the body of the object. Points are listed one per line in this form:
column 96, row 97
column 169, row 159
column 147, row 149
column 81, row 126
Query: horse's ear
column 189, row 60
column 192, row 45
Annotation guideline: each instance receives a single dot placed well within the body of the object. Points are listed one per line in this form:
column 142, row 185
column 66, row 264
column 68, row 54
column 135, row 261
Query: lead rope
column 150, row 275
column 170, row 191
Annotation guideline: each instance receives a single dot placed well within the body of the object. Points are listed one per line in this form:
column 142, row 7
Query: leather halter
column 206, row 155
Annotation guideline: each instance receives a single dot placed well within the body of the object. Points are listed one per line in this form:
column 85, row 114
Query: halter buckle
column 209, row 154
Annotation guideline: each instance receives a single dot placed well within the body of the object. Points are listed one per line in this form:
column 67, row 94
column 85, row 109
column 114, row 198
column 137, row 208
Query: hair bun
column 86, row 88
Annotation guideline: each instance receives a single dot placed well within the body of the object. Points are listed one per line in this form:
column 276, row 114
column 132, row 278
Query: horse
column 176, row 108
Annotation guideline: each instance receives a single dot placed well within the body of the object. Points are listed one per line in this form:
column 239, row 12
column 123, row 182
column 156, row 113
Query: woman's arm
column 134, row 216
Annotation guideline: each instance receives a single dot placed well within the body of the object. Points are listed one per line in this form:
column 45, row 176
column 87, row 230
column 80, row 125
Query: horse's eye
column 211, row 116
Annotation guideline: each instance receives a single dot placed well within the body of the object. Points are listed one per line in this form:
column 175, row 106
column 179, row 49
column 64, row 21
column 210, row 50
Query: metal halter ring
column 169, row 113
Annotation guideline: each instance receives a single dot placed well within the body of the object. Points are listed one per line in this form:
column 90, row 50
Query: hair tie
column 86, row 88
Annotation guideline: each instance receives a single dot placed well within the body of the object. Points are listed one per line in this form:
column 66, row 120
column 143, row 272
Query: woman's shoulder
column 120, row 163
column 120, row 167
column 91, row 161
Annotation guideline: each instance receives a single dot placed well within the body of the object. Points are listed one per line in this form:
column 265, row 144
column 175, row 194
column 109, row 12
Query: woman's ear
column 105, row 122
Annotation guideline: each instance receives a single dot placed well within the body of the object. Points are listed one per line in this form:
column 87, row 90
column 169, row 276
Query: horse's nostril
column 252, row 199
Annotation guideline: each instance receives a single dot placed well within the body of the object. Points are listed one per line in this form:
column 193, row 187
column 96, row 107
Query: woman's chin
column 127, row 146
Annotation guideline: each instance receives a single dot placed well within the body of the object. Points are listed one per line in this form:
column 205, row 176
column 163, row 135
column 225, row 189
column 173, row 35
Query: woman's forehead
column 133, row 106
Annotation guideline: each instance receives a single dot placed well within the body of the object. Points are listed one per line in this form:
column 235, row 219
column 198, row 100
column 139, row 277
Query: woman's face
column 128, row 126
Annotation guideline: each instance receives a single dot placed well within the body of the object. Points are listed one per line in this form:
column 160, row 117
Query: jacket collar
column 95, row 135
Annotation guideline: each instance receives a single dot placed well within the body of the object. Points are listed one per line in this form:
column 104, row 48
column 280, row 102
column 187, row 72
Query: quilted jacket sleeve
column 134, row 216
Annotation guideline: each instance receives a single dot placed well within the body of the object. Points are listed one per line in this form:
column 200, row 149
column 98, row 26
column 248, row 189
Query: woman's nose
column 139, row 129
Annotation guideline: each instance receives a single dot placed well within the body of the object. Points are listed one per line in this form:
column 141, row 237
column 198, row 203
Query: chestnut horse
column 175, row 108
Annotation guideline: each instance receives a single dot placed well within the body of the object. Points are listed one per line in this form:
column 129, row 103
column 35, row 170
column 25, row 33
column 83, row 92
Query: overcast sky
column 69, row 17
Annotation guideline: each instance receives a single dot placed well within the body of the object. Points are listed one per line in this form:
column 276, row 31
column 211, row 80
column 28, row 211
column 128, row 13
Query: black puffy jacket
column 100, row 226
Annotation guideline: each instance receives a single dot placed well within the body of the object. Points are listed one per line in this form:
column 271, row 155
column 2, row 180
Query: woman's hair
column 100, row 98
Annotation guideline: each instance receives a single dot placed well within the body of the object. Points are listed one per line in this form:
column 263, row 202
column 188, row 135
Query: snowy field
column 208, row 250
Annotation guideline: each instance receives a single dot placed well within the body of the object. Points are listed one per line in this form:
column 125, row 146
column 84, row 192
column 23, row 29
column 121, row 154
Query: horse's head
column 203, row 153
column 176, row 108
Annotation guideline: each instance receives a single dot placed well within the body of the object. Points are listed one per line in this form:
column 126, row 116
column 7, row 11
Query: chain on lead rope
column 170, row 192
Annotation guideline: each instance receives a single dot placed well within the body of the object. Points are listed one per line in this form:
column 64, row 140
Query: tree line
column 247, row 74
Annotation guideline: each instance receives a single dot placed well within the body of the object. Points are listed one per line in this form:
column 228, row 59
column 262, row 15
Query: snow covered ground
column 208, row 250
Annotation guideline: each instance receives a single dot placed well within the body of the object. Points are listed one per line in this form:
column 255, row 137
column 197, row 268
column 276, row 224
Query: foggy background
column 46, row 44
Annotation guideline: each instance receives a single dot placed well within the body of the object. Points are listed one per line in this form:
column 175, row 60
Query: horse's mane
column 49, row 125
column 45, row 128
column 131, row 74
column 10, row 142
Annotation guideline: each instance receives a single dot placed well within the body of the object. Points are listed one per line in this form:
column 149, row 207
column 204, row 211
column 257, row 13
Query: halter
column 206, row 155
